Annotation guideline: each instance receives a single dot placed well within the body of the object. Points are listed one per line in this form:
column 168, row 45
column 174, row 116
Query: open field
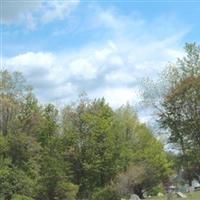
column 194, row 196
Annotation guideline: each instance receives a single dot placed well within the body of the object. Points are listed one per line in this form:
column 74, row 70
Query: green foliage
column 21, row 197
column 138, row 147
column 181, row 110
column 155, row 190
column 126, row 182
column 90, row 145
column 15, row 181
column 13, row 90
column 56, row 188
column 66, row 190
column 178, row 108
column 49, row 124
column 23, row 149
column 106, row 193
column 86, row 151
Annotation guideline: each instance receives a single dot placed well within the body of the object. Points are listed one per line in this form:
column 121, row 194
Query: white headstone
column 160, row 194
column 135, row 197
column 180, row 194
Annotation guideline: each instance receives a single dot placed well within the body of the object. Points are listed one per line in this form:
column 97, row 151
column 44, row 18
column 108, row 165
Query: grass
column 193, row 196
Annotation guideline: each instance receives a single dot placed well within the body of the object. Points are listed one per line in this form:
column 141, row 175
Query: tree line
column 84, row 150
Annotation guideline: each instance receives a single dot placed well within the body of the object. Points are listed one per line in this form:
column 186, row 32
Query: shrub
column 106, row 193
column 155, row 190
column 66, row 190
column 21, row 197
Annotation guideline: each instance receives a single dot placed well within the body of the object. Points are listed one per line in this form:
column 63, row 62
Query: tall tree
column 141, row 150
column 90, row 145
column 179, row 108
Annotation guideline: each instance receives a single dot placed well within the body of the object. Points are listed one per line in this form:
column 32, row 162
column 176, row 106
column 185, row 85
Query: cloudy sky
column 100, row 47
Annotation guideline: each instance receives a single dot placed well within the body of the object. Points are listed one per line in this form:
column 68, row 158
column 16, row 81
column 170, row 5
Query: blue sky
column 77, row 28
column 104, row 48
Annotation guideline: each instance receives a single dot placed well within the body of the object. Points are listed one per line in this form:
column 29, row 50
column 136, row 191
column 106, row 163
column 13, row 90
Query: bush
column 155, row 190
column 15, row 181
column 125, row 183
column 106, row 193
column 66, row 190
column 21, row 197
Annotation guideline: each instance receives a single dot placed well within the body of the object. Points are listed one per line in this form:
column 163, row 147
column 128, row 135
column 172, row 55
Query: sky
column 103, row 48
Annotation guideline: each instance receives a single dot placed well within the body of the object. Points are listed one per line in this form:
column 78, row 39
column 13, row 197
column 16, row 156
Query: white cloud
column 117, row 96
column 119, row 76
column 103, row 53
column 112, row 68
column 83, row 68
column 34, row 13
column 31, row 59
column 100, row 71
column 174, row 53
column 58, row 10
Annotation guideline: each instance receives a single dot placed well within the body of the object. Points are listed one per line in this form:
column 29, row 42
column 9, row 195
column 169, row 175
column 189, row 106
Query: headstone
column 145, row 195
column 135, row 197
column 172, row 187
column 181, row 195
column 160, row 194
column 191, row 189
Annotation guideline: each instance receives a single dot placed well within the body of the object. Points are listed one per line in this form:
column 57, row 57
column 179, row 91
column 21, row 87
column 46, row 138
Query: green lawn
column 193, row 196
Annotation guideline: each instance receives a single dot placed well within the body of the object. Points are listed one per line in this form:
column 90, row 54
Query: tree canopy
column 178, row 109
column 81, row 151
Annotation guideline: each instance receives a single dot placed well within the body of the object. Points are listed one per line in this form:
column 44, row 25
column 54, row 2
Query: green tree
column 178, row 108
column 13, row 90
column 54, row 181
column 139, row 147
column 182, row 117
column 90, row 144
column 49, row 124
column 75, row 153
column 19, row 150
column 15, row 181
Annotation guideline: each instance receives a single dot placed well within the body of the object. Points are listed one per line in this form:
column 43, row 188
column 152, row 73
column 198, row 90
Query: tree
column 13, row 90
column 75, row 153
column 14, row 181
column 139, row 147
column 54, row 178
column 31, row 146
column 179, row 108
column 48, row 126
column 182, row 117
column 19, row 150
column 19, row 107
column 90, row 144
column 30, row 115
column 126, row 182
